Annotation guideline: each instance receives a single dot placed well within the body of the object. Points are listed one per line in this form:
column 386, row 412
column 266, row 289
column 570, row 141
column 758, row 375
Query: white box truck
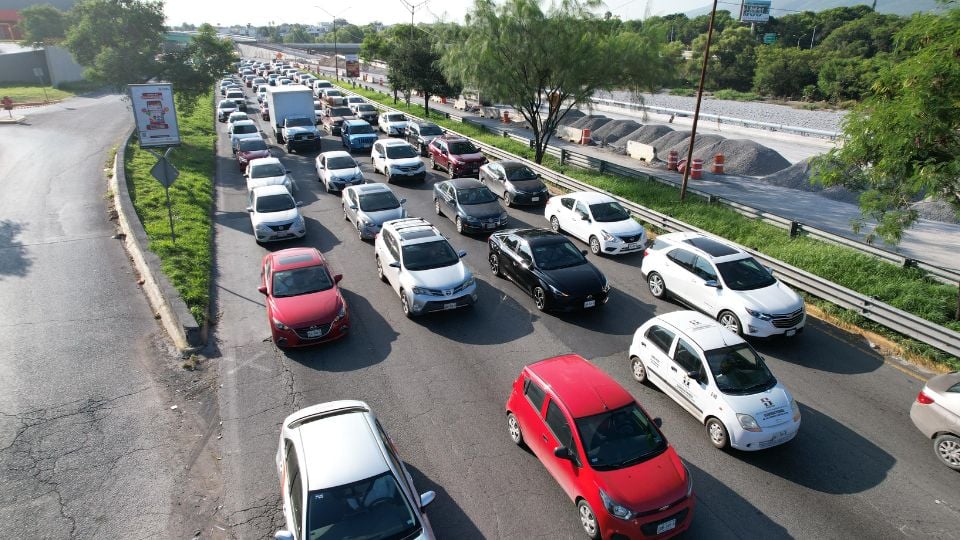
column 294, row 121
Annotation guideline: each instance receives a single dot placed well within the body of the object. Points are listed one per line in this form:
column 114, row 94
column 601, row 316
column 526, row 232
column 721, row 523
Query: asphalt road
column 858, row 467
column 89, row 447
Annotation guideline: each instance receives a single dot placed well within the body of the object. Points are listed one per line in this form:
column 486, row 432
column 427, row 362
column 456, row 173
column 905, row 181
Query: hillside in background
column 779, row 8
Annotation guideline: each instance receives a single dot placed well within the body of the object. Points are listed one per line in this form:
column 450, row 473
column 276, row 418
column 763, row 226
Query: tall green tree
column 42, row 23
column 903, row 142
column 194, row 68
column 298, row 34
column 516, row 53
column 784, row 71
column 117, row 41
column 733, row 55
column 417, row 63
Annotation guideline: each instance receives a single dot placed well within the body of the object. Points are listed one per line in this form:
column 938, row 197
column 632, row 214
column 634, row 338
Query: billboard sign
column 755, row 11
column 154, row 114
column 352, row 65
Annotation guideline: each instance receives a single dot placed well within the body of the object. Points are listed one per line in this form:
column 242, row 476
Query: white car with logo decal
column 716, row 376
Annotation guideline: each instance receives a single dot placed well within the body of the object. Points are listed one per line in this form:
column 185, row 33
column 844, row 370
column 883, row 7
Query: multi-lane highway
column 858, row 467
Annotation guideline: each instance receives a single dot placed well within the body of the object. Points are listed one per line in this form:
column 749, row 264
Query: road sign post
column 8, row 105
column 166, row 174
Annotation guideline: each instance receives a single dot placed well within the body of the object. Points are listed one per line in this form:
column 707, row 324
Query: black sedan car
column 515, row 182
column 549, row 267
column 469, row 204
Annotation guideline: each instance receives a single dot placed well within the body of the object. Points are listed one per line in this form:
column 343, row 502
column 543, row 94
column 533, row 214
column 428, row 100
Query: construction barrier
column 443, row 100
column 672, row 158
column 681, row 166
column 717, row 164
column 585, row 137
column 696, row 169
column 506, row 117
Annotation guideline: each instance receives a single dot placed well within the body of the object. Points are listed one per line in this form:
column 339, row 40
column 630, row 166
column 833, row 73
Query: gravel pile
column 703, row 148
column 936, row 211
column 797, row 176
column 648, row 134
column 669, row 140
column 571, row 117
column 615, row 131
column 591, row 122
column 748, row 158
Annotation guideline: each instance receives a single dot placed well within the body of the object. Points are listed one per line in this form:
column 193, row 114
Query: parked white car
column 724, row 282
column 268, row 172
column 242, row 129
column 423, row 268
column 338, row 169
column 717, row 377
column 368, row 206
column 598, row 220
column 274, row 215
column 392, row 123
column 341, row 476
column 395, row 158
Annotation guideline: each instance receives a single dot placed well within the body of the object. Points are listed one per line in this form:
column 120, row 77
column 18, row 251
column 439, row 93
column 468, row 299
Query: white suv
column 396, row 158
column 717, row 377
column 598, row 220
column 341, row 476
column 274, row 215
column 723, row 281
column 422, row 267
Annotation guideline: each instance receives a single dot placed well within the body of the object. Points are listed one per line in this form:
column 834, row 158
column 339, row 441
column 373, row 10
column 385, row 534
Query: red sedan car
column 304, row 304
column 602, row 448
column 248, row 149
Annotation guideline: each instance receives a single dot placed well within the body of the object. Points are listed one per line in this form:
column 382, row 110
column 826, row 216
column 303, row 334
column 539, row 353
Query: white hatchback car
column 392, row 123
column 369, row 206
column 274, row 215
column 396, row 158
column 598, row 220
column 268, row 172
column 724, row 282
column 716, row 376
column 423, row 268
column 337, row 169
column 341, row 477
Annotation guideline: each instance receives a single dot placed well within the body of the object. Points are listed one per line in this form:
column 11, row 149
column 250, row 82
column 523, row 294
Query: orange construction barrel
column 717, row 164
column 672, row 159
column 443, row 100
column 585, row 137
column 681, row 166
column 696, row 169
column 506, row 117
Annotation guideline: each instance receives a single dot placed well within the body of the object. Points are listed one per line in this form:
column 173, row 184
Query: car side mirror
column 402, row 201
column 427, row 498
column 563, row 452
column 525, row 264
column 712, row 283
column 695, row 375
column 262, row 289
column 337, row 278
column 394, row 264
column 658, row 422
column 770, row 270
column 299, row 204
column 353, row 207
column 286, row 171
column 249, row 209
column 283, row 535
column 462, row 254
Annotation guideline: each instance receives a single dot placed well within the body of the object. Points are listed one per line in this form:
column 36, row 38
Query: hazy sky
column 260, row 12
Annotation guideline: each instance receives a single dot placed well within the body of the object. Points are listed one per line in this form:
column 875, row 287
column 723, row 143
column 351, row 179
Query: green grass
column 33, row 94
column 187, row 263
column 685, row 92
column 906, row 288
column 736, row 95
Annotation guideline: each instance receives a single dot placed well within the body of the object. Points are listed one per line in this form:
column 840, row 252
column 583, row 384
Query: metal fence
column 886, row 315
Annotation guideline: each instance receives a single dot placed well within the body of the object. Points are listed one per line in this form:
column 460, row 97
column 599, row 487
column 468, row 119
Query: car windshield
column 371, row 509
column 232, row 94
column 619, row 438
column 608, row 212
column 306, row 280
column 401, row 151
column 228, row 104
column 378, row 200
column 266, row 170
column 300, row 121
column 463, row 147
column 745, row 274
column 275, row 203
column 431, row 130
column 429, row 255
column 520, row 172
column 366, row 108
column 249, row 128
column 360, row 128
column 340, row 111
column 554, row 255
column 739, row 370
column 341, row 162
column 478, row 195
column 396, row 118
column 252, row 145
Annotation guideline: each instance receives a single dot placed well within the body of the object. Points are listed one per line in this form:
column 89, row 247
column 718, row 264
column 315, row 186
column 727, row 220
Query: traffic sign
column 769, row 38
column 164, row 172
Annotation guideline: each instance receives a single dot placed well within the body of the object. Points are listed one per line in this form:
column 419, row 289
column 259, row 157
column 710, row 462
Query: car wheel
column 588, row 520
column 359, row 232
column 540, row 298
column 436, row 207
column 495, row 265
column 638, row 369
column 405, row 304
column 656, row 285
column 433, row 163
column 555, row 224
column 947, row 448
column 326, row 186
column 717, row 433
column 345, row 216
column 594, row 245
column 459, row 225
column 513, row 428
column 730, row 321
column 450, row 172
column 382, row 277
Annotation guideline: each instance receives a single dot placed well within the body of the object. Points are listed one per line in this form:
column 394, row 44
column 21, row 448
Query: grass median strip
column 906, row 288
column 187, row 263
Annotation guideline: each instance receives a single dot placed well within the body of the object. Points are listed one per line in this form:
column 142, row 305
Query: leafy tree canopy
column 194, row 68
column 42, row 23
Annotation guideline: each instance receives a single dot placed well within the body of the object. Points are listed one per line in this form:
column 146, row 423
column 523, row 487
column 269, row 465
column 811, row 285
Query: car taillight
column 924, row 399
column 646, row 252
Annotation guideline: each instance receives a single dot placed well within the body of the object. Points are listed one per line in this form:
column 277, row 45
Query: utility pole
column 336, row 53
column 813, row 35
column 696, row 112
column 412, row 8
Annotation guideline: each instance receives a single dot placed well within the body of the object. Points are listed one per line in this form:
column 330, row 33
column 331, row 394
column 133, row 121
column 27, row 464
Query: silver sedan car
column 936, row 413
column 368, row 206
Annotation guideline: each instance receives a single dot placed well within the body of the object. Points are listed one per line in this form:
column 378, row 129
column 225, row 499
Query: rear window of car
column 660, row 337
column 534, row 393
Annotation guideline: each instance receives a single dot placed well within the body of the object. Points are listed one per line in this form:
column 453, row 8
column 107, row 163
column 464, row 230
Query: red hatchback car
column 250, row 149
column 304, row 304
column 602, row 448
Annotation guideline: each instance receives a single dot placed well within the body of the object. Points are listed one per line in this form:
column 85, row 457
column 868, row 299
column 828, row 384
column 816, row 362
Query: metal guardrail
column 890, row 317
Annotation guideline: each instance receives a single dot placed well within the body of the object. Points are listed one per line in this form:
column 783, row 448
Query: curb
column 14, row 120
column 164, row 299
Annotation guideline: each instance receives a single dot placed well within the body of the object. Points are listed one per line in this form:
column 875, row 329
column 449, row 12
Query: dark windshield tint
column 341, row 111
column 306, row 280
column 619, row 438
column 396, row 118
column 299, row 122
column 341, row 162
column 366, row 108
column 275, row 203
column 739, row 370
column 251, row 145
column 519, row 172
column 266, row 170
column 745, row 274
column 377, row 201
column 245, row 129
column 479, row 195
column 463, row 147
column 429, row 255
column 557, row 255
column 333, row 93
column 431, row 130
column 360, row 129
column 401, row 151
column 371, row 509
column 608, row 212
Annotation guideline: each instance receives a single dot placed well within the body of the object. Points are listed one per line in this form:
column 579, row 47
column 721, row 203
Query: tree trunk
column 394, row 96
column 426, row 105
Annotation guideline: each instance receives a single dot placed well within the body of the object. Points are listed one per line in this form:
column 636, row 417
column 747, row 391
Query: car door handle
column 544, row 437
column 672, row 368
column 643, row 343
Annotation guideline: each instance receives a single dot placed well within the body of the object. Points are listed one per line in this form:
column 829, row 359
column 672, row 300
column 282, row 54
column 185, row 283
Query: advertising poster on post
column 755, row 11
column 155, row 114
column 352, row 66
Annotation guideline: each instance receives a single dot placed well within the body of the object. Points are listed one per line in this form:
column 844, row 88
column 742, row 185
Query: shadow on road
column 825, row 348
column 621, row 316
column 503, row 319
column 446, row 517
column 13, row 255
column 716, row 503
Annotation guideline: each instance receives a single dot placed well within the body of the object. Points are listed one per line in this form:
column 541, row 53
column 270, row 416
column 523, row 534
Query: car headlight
column 556, row 291
column 262, row 228
column 298, row 222
column 606, row 285
column 279, row 325
column 689, row 481
column 747, row 422
column 606, row 236
column 796, row 410
column 364, row 222
column 470, row 282
column 503, row 217
column 759, row 315
column 421, row 290
column 471, row 219
column 341, row 314
column 616, row 509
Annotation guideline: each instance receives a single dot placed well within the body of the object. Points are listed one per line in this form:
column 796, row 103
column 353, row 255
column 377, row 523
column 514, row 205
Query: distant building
column 9, row 18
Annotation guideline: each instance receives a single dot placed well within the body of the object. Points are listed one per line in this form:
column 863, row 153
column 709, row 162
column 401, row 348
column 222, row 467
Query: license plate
column 313, row 333
column 589, row 303
column 534, row 199
column 489, row 225
column 281, row 235
column 791, row 332
column 634, row 245
column 450, row 305
column 666, row 526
